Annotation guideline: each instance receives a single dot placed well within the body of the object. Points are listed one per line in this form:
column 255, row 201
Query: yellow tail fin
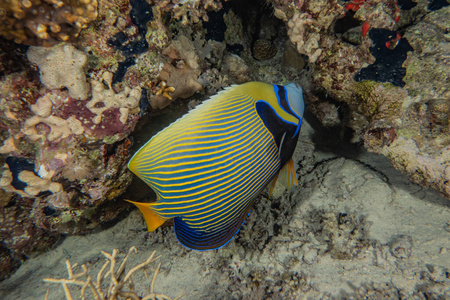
column 152, row 219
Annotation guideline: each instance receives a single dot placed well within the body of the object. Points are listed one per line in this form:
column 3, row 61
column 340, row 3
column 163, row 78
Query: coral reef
column 180, row 73
column 189, row 12
column 45, row 22
column 63, row 145
column 18, row 237
column 392, row 83
column 428, row 170
column 374, row 70
column 58, row 128
column 61, row 66
column 388, row 62
column 307, row 22
column 104, row 98
column 118, row 280
column 421, row 147
column 353, row 223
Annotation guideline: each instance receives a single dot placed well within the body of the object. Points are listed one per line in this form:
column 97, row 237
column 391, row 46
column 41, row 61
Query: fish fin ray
column 287, row 175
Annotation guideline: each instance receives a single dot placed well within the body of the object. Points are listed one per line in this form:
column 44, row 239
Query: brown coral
column 378, row 100
column 263, row 49
column 180, row 73
column 45, row 22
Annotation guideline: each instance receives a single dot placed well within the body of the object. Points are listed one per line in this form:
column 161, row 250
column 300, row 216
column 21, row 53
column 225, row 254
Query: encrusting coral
column 104, row 98
column 45, row 22
column 58, row 128
column 61, row 66
column 179, row 74
column 34, row 184
column 308, row 22
column 118, row 280
column 307, row 42
column 189, row 12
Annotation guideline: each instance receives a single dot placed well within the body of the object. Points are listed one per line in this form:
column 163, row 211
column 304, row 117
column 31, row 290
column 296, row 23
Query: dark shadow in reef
column 335, row 140
column 390, row 51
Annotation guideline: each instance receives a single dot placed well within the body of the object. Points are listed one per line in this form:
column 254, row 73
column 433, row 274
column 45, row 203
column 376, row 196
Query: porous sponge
column 58, row 128
column 127, row 101
column 33, row 184
column 61, row 66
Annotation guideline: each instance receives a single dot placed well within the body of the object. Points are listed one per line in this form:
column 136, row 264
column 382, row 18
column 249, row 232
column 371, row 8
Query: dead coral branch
column 119, row 281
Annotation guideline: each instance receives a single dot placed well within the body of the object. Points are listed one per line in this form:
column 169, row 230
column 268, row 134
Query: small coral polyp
column 45, row 22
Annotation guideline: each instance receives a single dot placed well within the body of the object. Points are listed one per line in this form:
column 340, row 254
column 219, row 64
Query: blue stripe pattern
column 208, row 167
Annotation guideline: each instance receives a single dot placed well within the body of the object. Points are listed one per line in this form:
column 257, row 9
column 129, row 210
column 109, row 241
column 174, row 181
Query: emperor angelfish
column 207, row 167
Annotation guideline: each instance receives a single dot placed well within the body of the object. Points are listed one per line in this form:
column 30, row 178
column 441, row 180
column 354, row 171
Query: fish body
column 208, row 166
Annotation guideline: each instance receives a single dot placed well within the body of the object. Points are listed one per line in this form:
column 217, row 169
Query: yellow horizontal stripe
column 200, row 140
column 231, row 161
column 214, row 155
column 250, row 157
column 210, row 202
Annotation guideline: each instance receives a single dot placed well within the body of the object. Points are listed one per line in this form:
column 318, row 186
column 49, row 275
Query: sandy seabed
column 354, row 228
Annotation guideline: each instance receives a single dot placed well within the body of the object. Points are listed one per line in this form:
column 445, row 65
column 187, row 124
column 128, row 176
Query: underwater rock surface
column 69, row 113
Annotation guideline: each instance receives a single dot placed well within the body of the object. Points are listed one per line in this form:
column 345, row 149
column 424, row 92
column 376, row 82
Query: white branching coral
column 61, row 66
column 104, row 98
column 118, row 280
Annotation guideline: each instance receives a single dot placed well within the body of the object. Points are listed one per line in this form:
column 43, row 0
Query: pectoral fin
column 287, row 175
